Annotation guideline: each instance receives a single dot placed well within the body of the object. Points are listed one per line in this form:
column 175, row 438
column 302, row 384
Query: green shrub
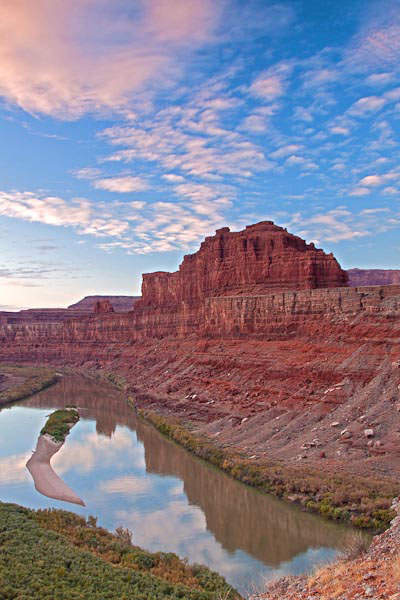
column 54, row 554
column 60, row 422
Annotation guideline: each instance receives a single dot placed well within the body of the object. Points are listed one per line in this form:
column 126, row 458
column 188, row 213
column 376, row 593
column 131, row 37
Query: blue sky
column 132, row 129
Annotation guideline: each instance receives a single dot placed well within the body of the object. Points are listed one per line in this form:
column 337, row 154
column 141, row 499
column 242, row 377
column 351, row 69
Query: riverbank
column 21, row 381
column 333, row 493
column 372, row 573
column 364, row 503
column 54, row 553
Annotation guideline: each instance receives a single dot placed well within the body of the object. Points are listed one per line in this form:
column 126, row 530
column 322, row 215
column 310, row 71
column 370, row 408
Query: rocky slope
column 360, row 277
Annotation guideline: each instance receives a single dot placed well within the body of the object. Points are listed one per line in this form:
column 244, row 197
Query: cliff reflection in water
column 240, row 518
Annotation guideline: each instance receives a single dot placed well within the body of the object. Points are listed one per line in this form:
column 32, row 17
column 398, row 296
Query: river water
column 130, row 475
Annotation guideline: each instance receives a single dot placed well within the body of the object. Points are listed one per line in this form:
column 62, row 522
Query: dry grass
column 396, row 569
column 354, row 545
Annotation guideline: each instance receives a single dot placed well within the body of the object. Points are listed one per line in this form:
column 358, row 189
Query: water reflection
column 171, row 500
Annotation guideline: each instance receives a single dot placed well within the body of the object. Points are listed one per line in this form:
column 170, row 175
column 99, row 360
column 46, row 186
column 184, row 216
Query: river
column 128, row 474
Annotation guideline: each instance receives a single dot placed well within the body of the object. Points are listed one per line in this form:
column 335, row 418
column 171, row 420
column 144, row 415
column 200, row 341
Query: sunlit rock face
column 261, row 259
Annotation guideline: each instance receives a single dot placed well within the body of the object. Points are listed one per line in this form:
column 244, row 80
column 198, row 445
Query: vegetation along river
column 128, row 474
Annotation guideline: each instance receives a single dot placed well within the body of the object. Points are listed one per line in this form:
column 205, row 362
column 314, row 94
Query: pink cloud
column 68, row 58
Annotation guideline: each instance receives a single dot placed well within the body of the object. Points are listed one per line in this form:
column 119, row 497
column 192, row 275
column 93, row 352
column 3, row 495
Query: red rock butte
column 261, row 259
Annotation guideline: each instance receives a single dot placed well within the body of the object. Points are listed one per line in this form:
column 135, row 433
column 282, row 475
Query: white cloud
column 379, row 79
column 126, row 484
column 360, row 191
column 337, row 130
column 48, row 209
column 271, row 84
column 393, row 95
column 341, row 224
column 320, row 77
column 301, row 162
column 391, row 191
column 366, row 105
column 122, row 184
column 377, row 44
column 371, row 180
column 87, row 173
column 302, row 114
column 255, row 123
column 173, row 178
column 285, row 151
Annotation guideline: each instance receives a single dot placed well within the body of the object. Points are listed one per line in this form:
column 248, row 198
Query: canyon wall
column 259, row 282
column 276, row 316
column 255, row 327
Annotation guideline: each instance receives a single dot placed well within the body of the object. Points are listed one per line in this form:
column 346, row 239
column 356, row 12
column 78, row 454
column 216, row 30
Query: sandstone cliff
column 263, row 258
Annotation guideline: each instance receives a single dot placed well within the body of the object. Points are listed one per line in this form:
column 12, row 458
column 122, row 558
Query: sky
column 131, row 129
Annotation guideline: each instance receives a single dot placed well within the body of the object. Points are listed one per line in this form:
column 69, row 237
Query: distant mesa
column 118, row 303
column 365, row 277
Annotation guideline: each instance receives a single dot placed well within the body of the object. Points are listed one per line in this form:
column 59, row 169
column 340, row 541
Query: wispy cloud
column 122, row 185
column 342, row 224
column 97, row 55
column 271, row 84
column 365, row 106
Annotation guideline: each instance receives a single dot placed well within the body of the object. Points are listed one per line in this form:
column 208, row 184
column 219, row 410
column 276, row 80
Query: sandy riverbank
column 46, row 481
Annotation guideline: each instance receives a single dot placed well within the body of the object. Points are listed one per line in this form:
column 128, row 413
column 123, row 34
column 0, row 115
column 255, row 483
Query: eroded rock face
column 362, row 277
column 261, row 259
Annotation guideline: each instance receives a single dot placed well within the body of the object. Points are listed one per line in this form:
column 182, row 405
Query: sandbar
column 46, row 481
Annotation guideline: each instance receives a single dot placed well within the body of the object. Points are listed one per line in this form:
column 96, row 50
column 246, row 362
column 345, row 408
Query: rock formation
column 103, row 306
column 261, row 259
column 362, row 277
